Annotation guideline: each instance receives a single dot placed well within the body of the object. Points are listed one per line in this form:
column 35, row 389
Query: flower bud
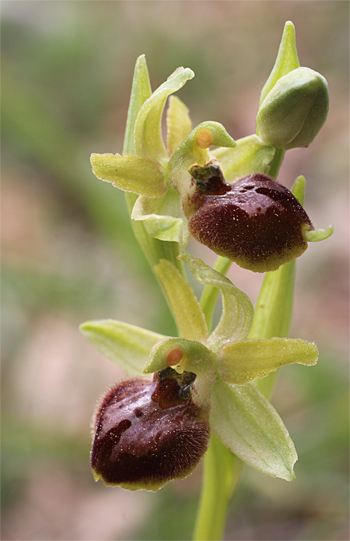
column 293, row 112
column 256, row 222
column 149, row 432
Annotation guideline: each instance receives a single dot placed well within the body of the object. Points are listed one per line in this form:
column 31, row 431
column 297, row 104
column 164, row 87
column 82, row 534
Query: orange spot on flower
column 174, row 356
column 204, row 138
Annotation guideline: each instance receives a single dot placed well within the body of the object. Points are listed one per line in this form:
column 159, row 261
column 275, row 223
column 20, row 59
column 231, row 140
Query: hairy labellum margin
column 256, row 222
column 149, row 432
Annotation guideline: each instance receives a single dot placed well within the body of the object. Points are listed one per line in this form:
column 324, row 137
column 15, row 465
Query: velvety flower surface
column 255, row 222
column 156, row 172
column 139, row 420
column 149, row 432
column 161, row 175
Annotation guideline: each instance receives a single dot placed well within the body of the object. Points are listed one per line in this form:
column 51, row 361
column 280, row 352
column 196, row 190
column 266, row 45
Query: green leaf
column 250, row 155
column 141, row 91
column 148, row 129
column 240, row 362
column 137, row 174
column 126, row 345
column 245, row 421
column 237, row 310
column 163, row 217
column 184, row 305
column 179, row 123
column 286, row 61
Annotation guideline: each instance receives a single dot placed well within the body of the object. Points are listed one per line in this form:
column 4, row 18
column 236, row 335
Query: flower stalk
column 222, row 469
column 208, row 383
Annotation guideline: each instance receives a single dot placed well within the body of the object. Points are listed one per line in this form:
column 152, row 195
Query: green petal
column 126, row 345
column 244, row 361
column 316, row 235
column 179, row 124
column 137, row 174
column 148, row 128
column 237, row 310
column 250, row 155
column 245, row 421
column 163, row 217
column 185, row 307
column 286, row 61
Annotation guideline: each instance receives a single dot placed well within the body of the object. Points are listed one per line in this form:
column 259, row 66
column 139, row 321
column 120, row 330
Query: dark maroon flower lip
column 149, row 432
column 257, row 222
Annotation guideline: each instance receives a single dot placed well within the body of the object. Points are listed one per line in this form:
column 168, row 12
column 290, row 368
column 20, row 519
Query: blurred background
column 69, row 256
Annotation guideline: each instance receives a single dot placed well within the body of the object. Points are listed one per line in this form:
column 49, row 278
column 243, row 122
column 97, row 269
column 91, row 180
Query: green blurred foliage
column 69, row 255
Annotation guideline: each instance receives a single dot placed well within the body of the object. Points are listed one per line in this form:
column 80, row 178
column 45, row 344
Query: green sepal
column 250, row 155
column 241, row 362
column 184, row 305
column 294, row 111
column 137, row 174
column 245, row 421
column 179, row 124
column 196, row 357
column 163, row 217
column 286, row 61
column 210, row 294
column 148, row 128
column 237, row 309
column 126, row 345
column 316, row 235
column 140, row 92
column 153, row 249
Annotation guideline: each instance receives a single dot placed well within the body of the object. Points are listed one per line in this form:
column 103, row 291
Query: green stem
column 276, row 162
column 222, row 470
column 273, row 313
